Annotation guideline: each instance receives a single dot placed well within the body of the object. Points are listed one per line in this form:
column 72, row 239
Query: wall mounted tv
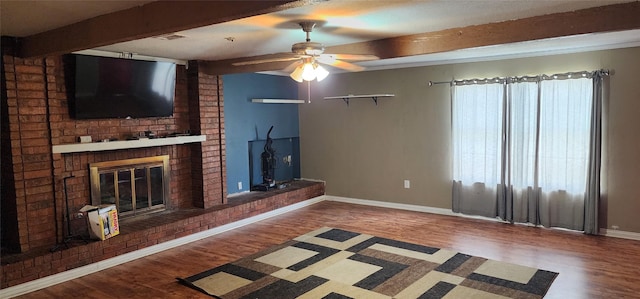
column 105, row 87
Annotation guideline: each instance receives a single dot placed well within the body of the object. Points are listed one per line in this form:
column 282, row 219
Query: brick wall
column 27, row 86
column 206, row 101
column 38, row 117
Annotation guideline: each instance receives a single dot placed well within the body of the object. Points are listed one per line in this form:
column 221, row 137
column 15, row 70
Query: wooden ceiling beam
column 618, row 17
column 152, row 19
column 610, row 18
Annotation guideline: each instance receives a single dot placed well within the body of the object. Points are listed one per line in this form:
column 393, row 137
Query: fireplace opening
column 134, row 186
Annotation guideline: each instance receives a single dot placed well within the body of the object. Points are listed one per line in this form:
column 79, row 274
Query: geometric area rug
column 334, row 263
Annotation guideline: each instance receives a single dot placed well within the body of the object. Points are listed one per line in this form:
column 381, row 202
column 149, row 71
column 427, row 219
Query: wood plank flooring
column 589, row 266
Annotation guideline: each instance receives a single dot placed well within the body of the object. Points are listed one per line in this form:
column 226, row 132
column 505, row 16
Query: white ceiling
column 340, row 22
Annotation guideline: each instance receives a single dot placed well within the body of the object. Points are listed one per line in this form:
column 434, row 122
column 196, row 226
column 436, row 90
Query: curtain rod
column 603, row 72
column 431, row 83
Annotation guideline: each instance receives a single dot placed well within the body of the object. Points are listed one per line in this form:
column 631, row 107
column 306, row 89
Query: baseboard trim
column 407, row 207
column 391, row 205
column 54, row 279
column 440, row 211
column 620, row 234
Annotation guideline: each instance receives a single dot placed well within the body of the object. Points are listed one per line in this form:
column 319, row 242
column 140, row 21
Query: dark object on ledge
column 268, row 162
column 260, row 187
column 69, row 236
column 264, row 187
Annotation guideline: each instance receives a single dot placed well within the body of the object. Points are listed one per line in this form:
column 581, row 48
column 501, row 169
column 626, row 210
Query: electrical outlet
column 239, row 185
column 287, row 160
column 615, row 227
column 407, row 184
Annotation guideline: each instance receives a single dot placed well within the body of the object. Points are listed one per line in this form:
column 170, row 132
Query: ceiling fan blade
column 344, row 65
column 269, row 58
column 292, row 66
column 339, row 63
column 353, row 56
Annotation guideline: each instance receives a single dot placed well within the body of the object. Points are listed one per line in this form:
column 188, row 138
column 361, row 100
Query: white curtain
column 477, row 130
column 565, row 115
column 521, row 195
column 523, row 150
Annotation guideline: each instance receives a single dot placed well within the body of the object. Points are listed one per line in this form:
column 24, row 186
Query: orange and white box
column 102, row 221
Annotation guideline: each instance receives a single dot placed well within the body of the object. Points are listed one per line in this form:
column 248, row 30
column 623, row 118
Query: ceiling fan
column 309, row 55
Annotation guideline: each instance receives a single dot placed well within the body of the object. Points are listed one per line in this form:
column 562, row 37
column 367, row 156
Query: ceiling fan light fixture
column 308, row 72
column 321, row 73
column 297, row 74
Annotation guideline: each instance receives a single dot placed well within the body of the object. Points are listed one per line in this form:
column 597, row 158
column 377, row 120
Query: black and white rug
column 334, row 263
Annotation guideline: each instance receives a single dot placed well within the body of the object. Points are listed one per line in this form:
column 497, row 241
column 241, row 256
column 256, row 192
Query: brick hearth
column 138, row 233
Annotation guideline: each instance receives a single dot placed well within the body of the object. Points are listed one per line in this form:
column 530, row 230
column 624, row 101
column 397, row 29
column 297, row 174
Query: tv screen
column 105, row 87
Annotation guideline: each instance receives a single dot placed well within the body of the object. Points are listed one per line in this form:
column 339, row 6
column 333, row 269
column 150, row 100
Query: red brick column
column 27, row 99
column 207, row 118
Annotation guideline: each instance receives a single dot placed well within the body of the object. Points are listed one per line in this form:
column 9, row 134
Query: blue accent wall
column 245, row 121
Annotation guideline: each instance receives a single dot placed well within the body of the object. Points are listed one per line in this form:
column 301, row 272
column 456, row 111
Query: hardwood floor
column 589, row 266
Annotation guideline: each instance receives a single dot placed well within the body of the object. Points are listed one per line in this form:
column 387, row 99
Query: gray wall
column 366, row 151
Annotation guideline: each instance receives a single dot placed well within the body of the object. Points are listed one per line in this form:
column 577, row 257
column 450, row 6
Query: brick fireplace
column 35, row 119
column 36, row 123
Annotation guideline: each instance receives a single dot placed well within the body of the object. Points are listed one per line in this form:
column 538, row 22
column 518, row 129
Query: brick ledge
column 139, row 234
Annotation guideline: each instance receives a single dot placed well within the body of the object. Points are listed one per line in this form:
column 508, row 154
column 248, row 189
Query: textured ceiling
column 339, row 22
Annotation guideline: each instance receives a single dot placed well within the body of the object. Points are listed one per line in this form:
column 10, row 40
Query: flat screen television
column 105, row 87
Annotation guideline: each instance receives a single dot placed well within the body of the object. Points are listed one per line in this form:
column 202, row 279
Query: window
column 522, row 148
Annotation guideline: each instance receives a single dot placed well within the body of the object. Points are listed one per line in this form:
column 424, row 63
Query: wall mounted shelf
column 374, row 97
column 277, row 101
column 125, row 144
